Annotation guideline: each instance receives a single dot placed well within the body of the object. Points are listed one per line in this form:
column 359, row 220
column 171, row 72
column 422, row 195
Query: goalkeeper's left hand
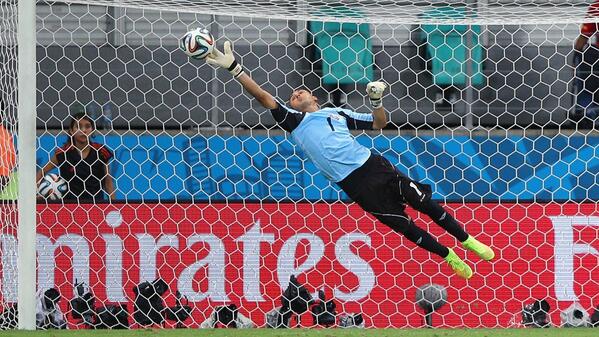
column 375, row 93
column 226, row 60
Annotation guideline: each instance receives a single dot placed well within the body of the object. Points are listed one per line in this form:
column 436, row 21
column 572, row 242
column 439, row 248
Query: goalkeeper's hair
column 75, row 118
column 299, row 89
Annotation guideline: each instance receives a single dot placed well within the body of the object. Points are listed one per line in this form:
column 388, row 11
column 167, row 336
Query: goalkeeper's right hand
column 226, row 60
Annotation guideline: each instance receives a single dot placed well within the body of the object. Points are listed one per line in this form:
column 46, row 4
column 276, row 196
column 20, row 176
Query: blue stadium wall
column 216, row 168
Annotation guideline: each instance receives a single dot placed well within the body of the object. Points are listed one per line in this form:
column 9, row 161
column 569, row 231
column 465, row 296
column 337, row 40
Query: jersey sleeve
column 61, row 155
column 105, row 154
column 357, row 121
column 286, row 117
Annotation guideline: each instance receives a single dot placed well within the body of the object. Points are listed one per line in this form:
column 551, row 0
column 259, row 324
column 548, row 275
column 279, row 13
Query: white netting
column 382, row 11
column 8, row 130
column 214, row 199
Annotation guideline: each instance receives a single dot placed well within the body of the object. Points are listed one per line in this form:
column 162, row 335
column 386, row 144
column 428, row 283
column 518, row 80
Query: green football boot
column 461, row 268
column 483, row 251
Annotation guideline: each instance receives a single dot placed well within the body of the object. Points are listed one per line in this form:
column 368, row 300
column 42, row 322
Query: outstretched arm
column 375, row 93
column 255, row 90
column 380, row 118
column 227, row 60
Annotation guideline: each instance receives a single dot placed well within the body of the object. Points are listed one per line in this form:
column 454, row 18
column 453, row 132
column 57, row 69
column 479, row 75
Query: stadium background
column 124, row 57
column 173, row 146
column 245, row 168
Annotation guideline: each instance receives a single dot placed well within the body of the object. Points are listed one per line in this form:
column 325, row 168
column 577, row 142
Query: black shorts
column 381, row 189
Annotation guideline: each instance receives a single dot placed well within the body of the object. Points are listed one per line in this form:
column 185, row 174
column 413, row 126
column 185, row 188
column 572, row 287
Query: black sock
column 445, row 220
column 423, row 239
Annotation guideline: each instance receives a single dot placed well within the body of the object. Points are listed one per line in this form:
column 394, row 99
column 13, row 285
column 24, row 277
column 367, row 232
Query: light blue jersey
column 325, row 138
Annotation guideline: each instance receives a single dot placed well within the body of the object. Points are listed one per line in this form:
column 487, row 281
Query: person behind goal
column 83, row 163
column 369, row 179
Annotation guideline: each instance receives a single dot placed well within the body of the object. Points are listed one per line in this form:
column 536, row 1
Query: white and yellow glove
column 375, row 93
column 226, row 60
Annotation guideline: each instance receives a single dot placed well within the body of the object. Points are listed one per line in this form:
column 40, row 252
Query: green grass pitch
column 551, row 332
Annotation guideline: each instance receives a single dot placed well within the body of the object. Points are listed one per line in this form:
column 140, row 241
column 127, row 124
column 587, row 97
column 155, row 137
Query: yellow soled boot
column 461, row 268
column 483, row 251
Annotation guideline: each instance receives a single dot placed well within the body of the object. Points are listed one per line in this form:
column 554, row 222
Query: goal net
column 213, row 205
column 8, row 161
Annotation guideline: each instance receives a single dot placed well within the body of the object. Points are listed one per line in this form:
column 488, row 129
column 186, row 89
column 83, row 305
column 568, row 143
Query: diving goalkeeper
column 369, row 179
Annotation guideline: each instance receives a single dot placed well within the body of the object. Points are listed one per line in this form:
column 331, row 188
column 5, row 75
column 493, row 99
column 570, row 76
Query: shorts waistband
column 352, row 181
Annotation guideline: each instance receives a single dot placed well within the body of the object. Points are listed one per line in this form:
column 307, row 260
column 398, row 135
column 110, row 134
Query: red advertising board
column 244, row 253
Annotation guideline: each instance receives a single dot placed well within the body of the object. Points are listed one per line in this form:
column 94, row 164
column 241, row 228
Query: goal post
column 485, row 101
column 27, row 140
column 17, row 94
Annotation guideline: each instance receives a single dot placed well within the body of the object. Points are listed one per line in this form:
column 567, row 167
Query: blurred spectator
column 586, row 81
column 8, row 156
column 101, row 114
column 344, row 51
column 107, row 112
column 83, row 163
column 447, row 50
column 94, row 111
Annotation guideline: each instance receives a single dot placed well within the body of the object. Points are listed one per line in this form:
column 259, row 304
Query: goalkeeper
column 368, row 179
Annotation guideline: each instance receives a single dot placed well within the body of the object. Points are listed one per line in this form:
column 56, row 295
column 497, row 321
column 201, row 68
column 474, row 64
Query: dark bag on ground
column 49, row 315
column 180, row 312
column 595, row 318
column 323, row 312
column 296, row 300
column 351, row 320
column 535, row 314
column 9, row 318
column 226, row 316
column 149, row 307
column 112, row 316
column 83, row 304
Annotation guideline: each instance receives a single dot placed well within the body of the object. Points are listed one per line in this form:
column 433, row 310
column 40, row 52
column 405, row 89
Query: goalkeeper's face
column 81, row 130
column 303, row 100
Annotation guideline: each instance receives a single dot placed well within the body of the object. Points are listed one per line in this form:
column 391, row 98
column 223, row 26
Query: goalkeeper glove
column 375, row 93
column 226, row 60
